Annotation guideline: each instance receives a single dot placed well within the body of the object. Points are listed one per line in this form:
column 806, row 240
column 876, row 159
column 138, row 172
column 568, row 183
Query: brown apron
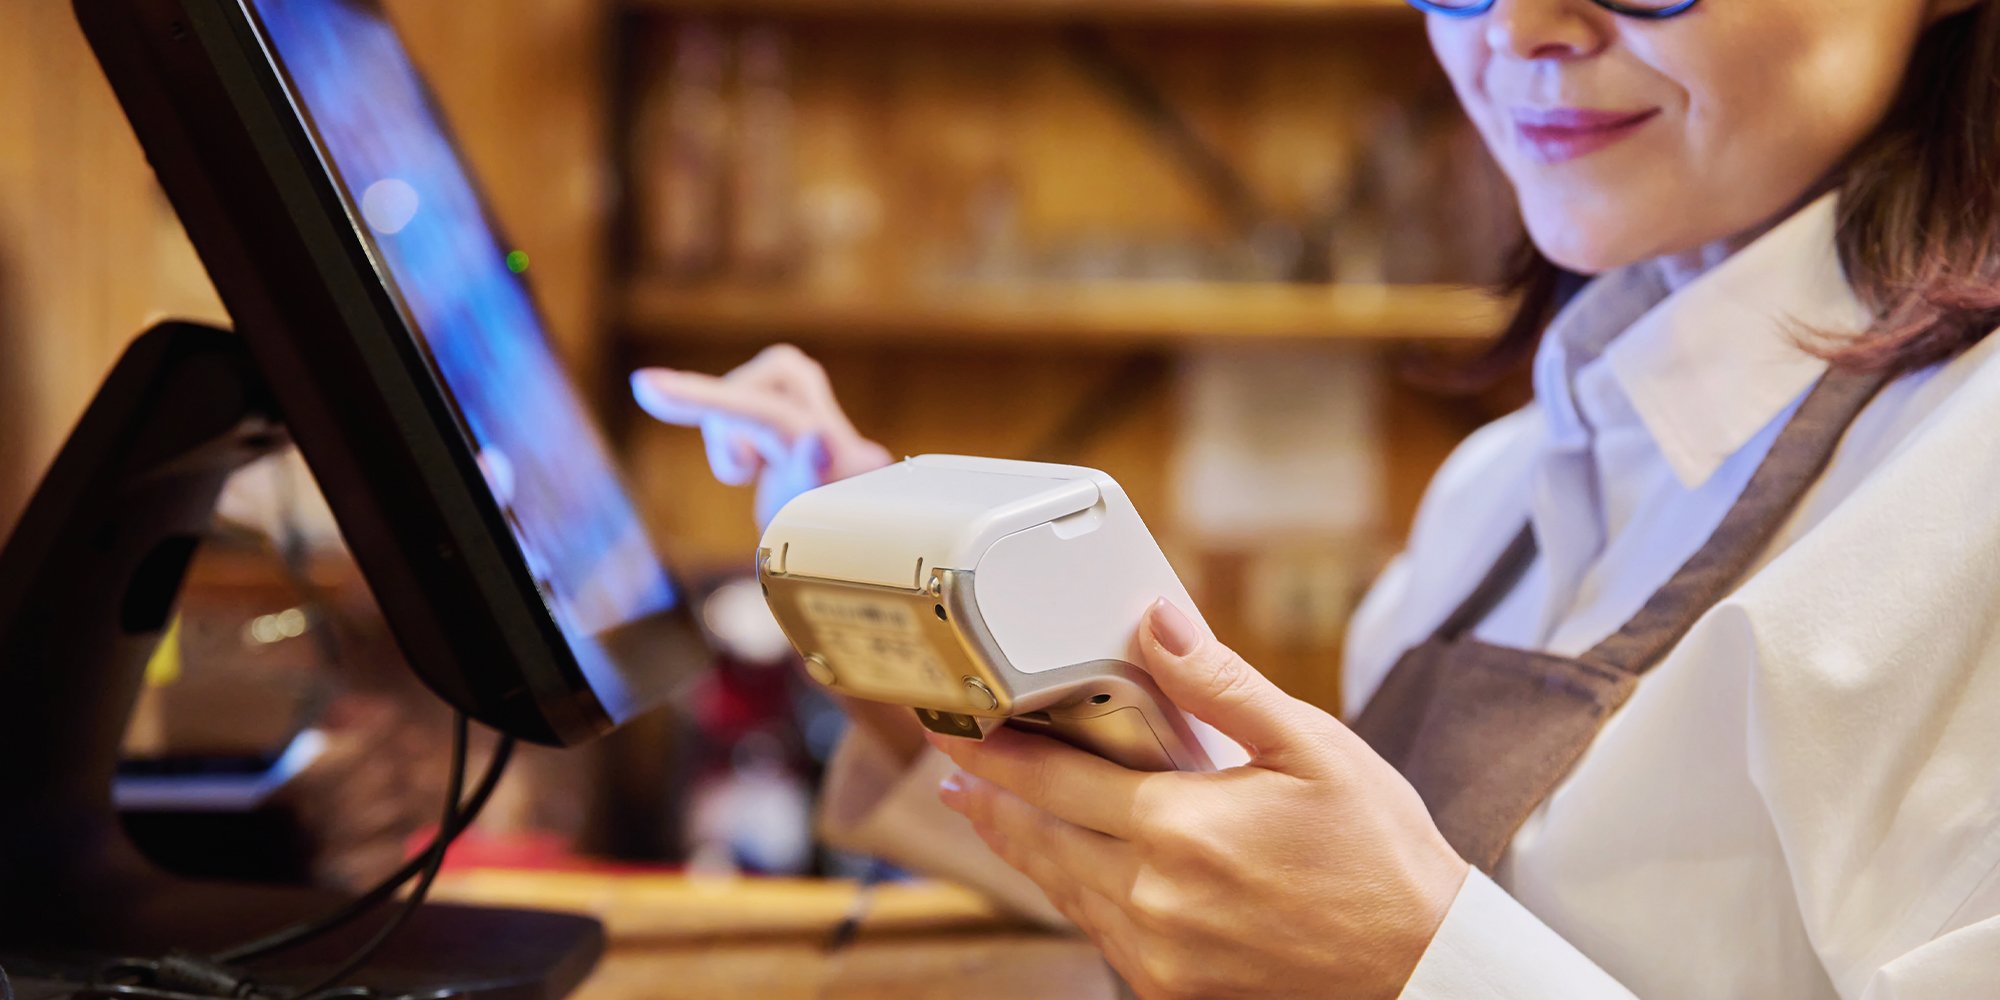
column 1485, row 732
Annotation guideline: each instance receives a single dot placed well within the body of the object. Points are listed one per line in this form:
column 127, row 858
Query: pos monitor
column 315, row 178
column 383, row 326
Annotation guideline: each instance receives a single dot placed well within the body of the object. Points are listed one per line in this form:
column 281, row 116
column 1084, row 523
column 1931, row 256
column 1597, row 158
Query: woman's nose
column 1546, row 29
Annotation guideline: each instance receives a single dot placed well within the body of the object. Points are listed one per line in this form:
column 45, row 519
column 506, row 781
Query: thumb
column 1207, row 680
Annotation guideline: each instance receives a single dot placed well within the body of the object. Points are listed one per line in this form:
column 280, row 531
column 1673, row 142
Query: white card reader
column 979, row 591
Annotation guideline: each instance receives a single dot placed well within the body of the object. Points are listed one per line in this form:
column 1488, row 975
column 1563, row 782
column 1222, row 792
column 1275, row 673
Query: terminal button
column 818, row 669
column 981, row 695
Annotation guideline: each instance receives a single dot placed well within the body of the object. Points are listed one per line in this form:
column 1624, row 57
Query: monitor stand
column 88, row 582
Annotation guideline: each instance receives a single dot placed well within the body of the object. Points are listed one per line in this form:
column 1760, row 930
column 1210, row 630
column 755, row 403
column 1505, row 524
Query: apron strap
column 1499, row 582
column 1797, row 458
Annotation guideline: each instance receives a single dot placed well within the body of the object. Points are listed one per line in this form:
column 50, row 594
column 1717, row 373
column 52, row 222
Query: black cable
column 387, row 888
column 434, row 862
column 291, row 548
column 184, row 976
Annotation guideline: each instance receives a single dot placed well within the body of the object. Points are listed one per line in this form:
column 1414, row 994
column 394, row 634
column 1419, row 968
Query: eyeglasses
column 1650, row 10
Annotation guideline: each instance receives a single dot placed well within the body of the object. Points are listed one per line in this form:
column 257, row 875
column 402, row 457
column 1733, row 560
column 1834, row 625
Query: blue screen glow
column 408, row 193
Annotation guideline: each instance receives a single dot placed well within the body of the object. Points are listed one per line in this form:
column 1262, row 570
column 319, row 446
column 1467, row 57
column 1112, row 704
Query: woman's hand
column 773, row 421
column 1312, row 871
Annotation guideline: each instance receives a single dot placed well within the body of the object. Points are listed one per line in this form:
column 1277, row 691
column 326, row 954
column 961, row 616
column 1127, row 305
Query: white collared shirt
column 1803, row 798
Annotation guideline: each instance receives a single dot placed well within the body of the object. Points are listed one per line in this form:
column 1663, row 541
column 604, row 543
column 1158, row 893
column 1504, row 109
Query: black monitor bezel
column 245, row 175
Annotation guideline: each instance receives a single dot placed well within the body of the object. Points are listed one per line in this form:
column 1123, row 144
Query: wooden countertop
column 673, row 936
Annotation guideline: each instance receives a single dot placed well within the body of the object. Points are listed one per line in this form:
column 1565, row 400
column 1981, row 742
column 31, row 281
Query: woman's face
column 1629, row 139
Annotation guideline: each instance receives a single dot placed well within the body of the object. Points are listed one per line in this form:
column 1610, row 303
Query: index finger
column 1070, row 784
column 688, row 398
column 792, row 373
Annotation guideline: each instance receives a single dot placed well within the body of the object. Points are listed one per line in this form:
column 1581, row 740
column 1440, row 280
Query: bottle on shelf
column 681, row 149
column 765, row 230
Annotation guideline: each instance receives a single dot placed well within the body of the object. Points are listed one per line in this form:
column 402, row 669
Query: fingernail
column 644, row 390
column 1171, row 629
column 952, row 789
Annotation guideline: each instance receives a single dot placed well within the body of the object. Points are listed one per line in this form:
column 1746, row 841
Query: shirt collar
column 1709, row 365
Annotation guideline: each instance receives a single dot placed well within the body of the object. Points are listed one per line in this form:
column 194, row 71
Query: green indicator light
column 517, row 261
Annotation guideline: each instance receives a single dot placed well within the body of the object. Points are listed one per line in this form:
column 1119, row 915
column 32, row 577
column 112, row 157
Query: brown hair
column 1919, row 225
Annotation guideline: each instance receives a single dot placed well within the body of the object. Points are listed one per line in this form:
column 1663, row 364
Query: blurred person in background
column 1687, row 683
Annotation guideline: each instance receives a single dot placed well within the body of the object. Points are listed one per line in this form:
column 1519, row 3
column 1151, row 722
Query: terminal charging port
column 951, row 724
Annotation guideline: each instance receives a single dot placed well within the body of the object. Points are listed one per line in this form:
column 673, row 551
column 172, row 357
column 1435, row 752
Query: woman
column 1723, row 719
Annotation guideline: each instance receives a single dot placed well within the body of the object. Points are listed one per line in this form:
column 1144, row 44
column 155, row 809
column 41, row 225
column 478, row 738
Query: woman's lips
column 1554, row 135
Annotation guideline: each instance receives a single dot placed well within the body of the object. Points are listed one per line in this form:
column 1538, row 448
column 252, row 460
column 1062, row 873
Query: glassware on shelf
column 764, row 220
column 681, row 152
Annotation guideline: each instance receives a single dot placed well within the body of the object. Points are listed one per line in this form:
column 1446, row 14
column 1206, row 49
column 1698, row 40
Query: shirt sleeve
column 874, row 804
column 1491, row 948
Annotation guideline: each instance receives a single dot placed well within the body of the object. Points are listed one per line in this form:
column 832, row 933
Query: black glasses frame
column 1626, row 10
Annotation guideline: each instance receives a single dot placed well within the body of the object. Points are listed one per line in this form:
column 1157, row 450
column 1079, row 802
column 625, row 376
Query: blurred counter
column 673, row 936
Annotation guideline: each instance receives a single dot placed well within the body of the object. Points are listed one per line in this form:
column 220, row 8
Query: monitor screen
column 460, row 289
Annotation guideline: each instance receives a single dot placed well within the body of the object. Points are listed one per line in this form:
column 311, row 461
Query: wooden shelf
column 1233, row 11
column 1093, row 315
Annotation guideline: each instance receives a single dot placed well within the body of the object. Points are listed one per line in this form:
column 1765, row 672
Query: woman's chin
column 1570, row 244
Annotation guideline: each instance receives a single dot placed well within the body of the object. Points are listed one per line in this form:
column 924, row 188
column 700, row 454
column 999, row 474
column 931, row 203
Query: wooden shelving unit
column 1233, row 11
column 1113, row 314
column 1033, row 148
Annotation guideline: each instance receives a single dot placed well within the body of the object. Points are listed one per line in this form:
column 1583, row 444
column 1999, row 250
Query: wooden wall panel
column 89, row 252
